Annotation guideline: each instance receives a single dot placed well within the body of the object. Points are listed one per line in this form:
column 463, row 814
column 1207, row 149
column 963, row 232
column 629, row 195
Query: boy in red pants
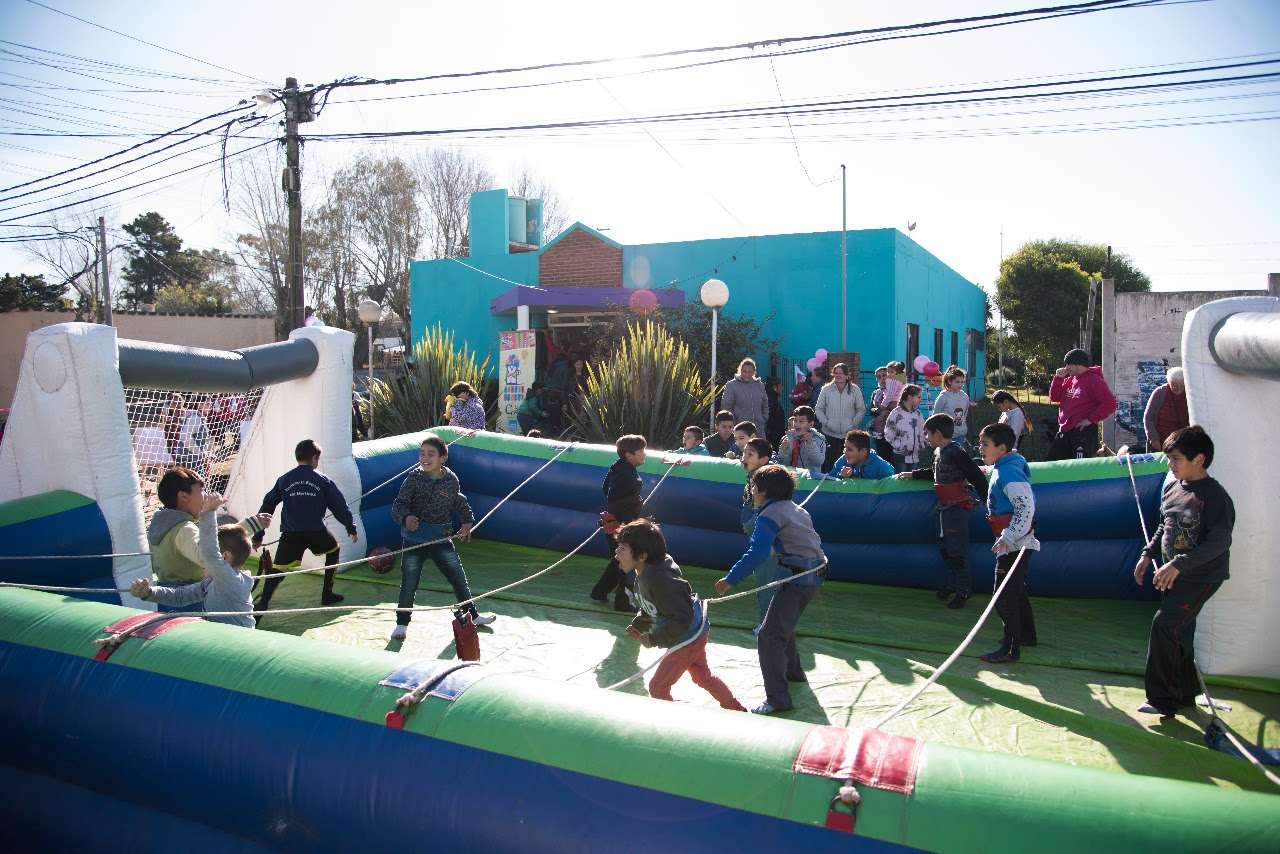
column 670, row 614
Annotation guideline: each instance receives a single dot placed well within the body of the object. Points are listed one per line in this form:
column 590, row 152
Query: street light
column 715, row 294
column 370, row 312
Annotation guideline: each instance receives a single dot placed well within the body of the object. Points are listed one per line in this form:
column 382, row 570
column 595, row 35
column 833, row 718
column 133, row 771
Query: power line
column 144, row 41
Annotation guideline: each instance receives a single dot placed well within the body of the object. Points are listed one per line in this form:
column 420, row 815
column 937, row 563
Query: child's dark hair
column 643, row 537
column 761, row 446
column 461, row 388
column 999, row 434
column 305, row 450
column 437, row 443
column 724, row 415
column 1003, row 396
column 748, row 427
column 774, row 481
column 630, row 443
column 912, row 390
column 805, row 412
column 1190, row 441
column 953, row 372
column 234, row 539
column 172, row 482
column 698, row 432
column 774, row 383
column 940, row 423
column 533, row 434
column 532, row 391
column 860, row 439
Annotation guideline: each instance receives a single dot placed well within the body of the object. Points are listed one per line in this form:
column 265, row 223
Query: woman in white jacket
column 840, row 409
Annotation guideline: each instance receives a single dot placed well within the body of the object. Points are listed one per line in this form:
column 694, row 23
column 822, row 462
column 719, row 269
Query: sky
column 1183, row 179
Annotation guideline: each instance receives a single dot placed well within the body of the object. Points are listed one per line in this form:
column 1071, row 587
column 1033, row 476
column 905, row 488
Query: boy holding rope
column 621, row 489
column 421, row 509
column 783, row 527
column 1194, row 538
column 671, row 615
column 1011, row 511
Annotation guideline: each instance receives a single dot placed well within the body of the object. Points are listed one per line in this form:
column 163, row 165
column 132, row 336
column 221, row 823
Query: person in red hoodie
column 1084, row 401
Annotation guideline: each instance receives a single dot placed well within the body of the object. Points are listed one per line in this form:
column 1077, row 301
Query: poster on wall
column 517, row 352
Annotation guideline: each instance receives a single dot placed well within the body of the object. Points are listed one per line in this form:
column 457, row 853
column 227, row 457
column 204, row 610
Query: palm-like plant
column 415, row 401
column 652, row 386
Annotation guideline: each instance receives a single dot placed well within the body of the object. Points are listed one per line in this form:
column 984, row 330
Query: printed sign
column 516, row 354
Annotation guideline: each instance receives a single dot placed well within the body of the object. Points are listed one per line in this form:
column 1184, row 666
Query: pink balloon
column 820, row 355
column 931, row 369
column 920, row 362
column 813, row 363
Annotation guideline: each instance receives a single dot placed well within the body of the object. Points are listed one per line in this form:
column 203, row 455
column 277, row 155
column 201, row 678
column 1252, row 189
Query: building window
column 937, row 347
column 913, row 348
column 973, row 345
column 955, row 348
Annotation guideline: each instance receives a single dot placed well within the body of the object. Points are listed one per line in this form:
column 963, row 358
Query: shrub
column 1001, row 377
column 651, row 386
column 415, row 400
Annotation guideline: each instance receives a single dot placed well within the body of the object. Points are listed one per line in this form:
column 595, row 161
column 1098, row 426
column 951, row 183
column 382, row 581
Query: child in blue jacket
column 1011, row 510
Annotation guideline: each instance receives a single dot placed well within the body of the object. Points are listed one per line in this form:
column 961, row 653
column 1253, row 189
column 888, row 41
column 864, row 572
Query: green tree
column 650, row 386
column 1043, row 292
column 23, row 292
column 156, row 260
column 415, row 401
column 737, row 336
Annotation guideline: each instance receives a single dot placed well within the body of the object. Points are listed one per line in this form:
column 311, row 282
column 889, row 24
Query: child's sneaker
column 399, row 632
column 957, row 602
column 483, row 619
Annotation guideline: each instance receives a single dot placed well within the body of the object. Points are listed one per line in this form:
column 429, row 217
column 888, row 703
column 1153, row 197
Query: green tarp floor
column 1071, row 699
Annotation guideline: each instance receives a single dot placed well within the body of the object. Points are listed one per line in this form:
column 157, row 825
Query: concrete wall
column 892, row 281
column 1142, row 339
column 218, row 333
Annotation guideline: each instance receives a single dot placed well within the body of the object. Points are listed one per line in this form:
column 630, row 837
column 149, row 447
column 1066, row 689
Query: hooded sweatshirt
column 175, row 546
column 1011, row 506
column 1085, row 396
column 225, row 590
column 670, row 611
column 747, row 400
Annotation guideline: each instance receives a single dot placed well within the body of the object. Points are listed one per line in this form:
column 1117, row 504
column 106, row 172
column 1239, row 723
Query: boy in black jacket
column 306, row 495
column 1194, row 540
column 951, row 468
column 670, row 614
column 621, row 489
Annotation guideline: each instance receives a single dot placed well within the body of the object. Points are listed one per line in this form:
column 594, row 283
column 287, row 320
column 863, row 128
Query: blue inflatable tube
column 873, row 532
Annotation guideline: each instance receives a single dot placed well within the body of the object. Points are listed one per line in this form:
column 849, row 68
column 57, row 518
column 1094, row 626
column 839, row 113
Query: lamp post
column 370, row 312
column 715, row 294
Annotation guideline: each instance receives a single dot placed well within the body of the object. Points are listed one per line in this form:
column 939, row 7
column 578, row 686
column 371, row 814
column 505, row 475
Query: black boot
column 958, row 601
column 328, row 597
column 1007, row 653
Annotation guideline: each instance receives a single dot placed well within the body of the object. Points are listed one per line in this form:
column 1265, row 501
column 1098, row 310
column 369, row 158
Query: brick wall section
column 580, row 260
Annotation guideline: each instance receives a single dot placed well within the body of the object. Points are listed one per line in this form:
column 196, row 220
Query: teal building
column 901, row 300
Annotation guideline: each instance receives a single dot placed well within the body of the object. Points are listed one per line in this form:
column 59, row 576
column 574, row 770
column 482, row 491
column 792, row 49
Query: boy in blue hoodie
column 858, row 460
column 1011, row 511
column 783, row 532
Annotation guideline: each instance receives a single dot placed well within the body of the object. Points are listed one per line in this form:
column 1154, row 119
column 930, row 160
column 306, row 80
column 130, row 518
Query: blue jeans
column 450, row 566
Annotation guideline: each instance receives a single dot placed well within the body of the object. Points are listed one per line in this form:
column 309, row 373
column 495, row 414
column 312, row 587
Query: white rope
column 1227, row 731
column 814, row 491
column 74, row 557
column 961, row 648
column 1146, row 535
column 566, row 449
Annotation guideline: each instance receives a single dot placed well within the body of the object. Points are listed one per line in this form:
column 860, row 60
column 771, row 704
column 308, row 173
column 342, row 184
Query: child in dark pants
column 1011, row 511
column 1194, row 540
column 621, row 489
column 670, row 614
column 951, row 468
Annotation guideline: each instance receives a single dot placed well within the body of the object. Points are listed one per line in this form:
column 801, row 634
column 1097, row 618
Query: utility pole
column 297, row 110
column 106, row 270
column 844, row 263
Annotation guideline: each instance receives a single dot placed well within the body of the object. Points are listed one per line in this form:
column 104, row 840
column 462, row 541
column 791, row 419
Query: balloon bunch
column 312, row 320
column 928, row 367
column 819, row 359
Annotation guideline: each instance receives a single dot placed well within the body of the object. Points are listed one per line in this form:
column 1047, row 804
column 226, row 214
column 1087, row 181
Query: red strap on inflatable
column 869, row 756
column 395, row 719
column 841, row 821
column 154, row 626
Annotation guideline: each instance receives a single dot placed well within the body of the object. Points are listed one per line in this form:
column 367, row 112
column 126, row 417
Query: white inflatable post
column 1237, row 632
column 316, row 407
column 68, row 429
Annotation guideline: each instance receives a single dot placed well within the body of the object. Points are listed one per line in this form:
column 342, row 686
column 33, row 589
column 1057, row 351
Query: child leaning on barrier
column 227, row 587
column 421, row 509
column 785, row 533
column 691, row 442
column 1194, row 539
column 859, row 462
column 670, row 614
column 1011, row 512
column 803, row 447
column 952, row 467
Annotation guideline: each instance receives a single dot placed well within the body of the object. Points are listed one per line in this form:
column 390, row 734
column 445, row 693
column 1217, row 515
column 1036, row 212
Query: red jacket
column 1085, row 396
column 801, row 393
